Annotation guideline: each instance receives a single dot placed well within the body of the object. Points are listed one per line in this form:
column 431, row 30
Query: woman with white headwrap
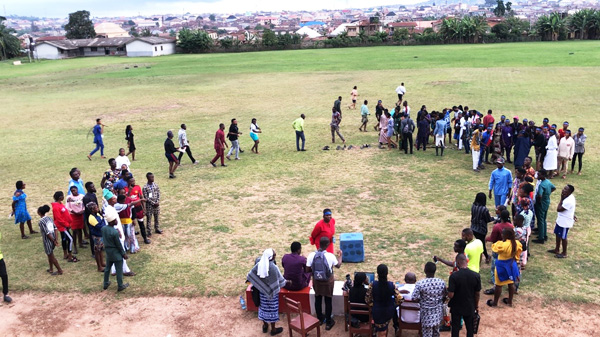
column 266, row 277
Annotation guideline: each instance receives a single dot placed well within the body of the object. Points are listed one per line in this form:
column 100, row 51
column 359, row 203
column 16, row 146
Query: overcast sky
column 61, row 8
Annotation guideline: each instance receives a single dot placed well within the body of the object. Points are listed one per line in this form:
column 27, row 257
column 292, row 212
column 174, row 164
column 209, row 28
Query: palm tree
column 550, row 27
column 583, row 23
column 9, row 44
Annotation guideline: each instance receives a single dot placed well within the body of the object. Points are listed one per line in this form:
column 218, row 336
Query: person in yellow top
column 4, row 277
column 298, row 125
column 507, row 269
column 476, row 145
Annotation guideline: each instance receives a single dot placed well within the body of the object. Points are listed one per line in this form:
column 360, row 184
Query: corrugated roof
column 154, row 40
column 97, row 42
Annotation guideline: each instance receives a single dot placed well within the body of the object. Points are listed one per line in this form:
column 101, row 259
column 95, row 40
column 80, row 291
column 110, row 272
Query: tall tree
column 194, row 41
column 80, row 26
column 500, row 9
column 269, row 38
column 212, row 17
column 9, row 44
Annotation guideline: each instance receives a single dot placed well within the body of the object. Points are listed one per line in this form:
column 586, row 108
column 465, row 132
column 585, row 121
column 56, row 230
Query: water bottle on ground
column 242, row 303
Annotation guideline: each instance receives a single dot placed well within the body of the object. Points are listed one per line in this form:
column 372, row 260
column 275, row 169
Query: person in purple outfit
column 294, row 271
column 507, row 139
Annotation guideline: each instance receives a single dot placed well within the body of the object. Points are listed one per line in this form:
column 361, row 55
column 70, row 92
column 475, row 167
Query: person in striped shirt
column 48, row 230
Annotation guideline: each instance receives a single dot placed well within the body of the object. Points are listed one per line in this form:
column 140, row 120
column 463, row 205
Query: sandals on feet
column 74, row 259
column 265, row 327
column 490, row 303
column 56, row 273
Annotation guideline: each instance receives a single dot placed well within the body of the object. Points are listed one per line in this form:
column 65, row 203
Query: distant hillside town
column 157, row 34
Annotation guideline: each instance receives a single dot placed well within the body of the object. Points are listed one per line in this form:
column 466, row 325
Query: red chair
column 303, row 322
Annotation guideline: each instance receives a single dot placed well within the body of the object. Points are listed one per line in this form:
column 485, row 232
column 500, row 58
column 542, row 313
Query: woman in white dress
column 551, row 159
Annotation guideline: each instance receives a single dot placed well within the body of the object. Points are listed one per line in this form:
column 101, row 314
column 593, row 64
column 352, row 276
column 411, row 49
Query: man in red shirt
column 324, row 228
column 220, row 145
column 488, row 119
column 561, row 132
column 63, row 220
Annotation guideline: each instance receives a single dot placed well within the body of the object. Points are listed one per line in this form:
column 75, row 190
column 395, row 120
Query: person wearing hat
column 170, row 149
column 522, row 148
column 115, row 254
column 566, row 150
column 551, row 158
column 476, row 142
column 561, row 132
column 324, row 228
column 579, row 140
column 500, row 183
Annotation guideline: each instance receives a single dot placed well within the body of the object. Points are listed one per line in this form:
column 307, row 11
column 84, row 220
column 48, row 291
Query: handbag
column 476, row 319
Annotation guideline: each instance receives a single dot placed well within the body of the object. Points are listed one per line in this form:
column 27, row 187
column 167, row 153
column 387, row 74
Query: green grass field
column 217, row 221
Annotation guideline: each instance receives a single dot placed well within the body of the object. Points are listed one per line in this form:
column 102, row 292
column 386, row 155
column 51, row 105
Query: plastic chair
column 303, row 322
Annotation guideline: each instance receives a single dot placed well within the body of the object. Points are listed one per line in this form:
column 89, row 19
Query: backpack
column 320, row 268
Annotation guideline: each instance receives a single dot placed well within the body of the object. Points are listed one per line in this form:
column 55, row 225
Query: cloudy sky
column 61, row 8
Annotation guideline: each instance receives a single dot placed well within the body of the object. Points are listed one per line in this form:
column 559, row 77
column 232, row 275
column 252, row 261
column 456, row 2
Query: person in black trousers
column 407, row 127
column 480, row 217
column 4, row 277
column 90, row 196
column 184, row 143
column 464, row 288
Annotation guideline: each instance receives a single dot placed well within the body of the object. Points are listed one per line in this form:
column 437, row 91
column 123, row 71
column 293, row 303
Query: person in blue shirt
column 76, row 181
column 98, row 131
column 484, row 149
column 448, row 121
column 439, row 131
column 364, row 113
column 500, row 183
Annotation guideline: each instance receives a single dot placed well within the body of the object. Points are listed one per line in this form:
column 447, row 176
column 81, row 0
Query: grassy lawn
column 217, row 221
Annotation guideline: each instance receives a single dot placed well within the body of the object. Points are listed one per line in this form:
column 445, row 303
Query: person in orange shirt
column 324, row 228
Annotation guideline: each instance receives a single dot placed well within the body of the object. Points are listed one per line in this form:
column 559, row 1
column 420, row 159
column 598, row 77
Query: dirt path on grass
column 107, row 314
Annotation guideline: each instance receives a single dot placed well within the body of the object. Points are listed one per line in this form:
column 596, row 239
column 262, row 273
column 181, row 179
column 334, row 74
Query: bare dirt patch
column 443, row 83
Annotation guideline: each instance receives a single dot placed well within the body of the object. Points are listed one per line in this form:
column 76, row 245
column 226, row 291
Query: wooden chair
column 408, row 326
column 303, row 322
column 357, row 309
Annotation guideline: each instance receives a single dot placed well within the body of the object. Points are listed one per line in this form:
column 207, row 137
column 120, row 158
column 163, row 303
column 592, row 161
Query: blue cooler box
column 352, row 247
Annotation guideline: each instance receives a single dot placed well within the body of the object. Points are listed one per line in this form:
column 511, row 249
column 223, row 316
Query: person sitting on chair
column 357, row 295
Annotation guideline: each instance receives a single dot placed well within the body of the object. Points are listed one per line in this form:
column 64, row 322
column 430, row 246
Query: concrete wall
column 101, row 51
column 46, row 51
column 139, row 48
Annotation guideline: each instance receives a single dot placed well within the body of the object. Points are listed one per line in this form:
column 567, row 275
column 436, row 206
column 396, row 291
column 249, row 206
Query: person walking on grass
column 97, row 221
column 129, row 137
column 19, row 209
column 542, row 203
column 464, row 288
column 500, row 182
column 336, row 118
column 378, row 113
column 220, row 145
column 4, row 277
column 298, row 126
column 170, row 150
column 151, row 193
column 390, row 130
column 407, row 126
column 63, row 221
column 49, row 239
column 400, row 91
column 184, row 143
column 98, row 131
column 364, row 114
column 480, row 217
column 254, row 131
column 233, row 136
column 353, row 98
column 579, row 139
column 115, row 253
column 439, row 133
column 564, row 221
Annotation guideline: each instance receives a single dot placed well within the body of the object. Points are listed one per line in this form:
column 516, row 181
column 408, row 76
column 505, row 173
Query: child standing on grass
column 63, row 221
column 48, row 230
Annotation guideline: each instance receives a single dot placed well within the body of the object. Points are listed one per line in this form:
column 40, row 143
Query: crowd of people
column 107, row 223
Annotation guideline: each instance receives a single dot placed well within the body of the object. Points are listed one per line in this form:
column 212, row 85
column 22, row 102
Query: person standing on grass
column 90, row 196
column 151, row 193
column 220, row 145
column 522, row 148
column 439, row 133
column 459, row 248
column 476, row 141
column 500, row 182
column 430, row 293
column 298, row 126
column 539, row 145
column 76, row 181
column 4, row 277
column 378, row 113
column 542, row 203
column 407, row 126
column 464, row 288
column 63, row 222
column 507, row 266
column 49, row 238
column 336, row 118
column 254, row 131
column 447, row 119
column 495, row 236
column 184, row 143
column 488, row 119
column 129, row 137
column 473, row 249
column 400, row 91
column 320, row 264
column 19, row 209
column 579, row 140
column 422, row 133
column 98, row 131
column 233, row 135
column 480, row 217
column 507, row 139
column 115, row 253
column 96, row 221
column 112, row 174
column 266, row 277
column 75, row 207
column 484, row 146
column 123, row 160
column 364, row 114
column 111, row 201
column 170, row 150
column 390, row 130
column 551, row 157
column 337, row 106
column 566, row 150
column 134, row 192
column 353, row 98
column 564, row 221
column 324, row 228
